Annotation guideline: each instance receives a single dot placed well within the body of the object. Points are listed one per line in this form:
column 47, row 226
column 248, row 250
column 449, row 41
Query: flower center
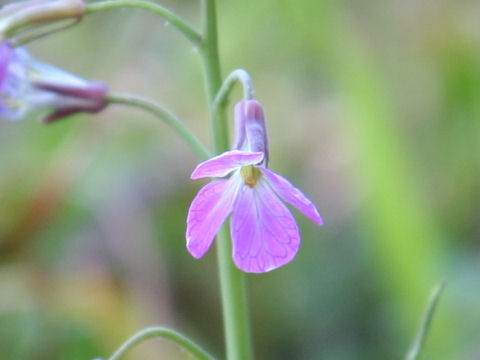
column 250, row 175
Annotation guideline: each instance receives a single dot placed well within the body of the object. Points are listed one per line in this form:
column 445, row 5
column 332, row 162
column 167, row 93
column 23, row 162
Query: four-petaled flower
column 27, row 84
column 264, row 233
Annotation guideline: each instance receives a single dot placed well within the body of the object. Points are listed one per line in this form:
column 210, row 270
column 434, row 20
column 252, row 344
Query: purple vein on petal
column 264, row 233
column 294, row 196
column 208, row 211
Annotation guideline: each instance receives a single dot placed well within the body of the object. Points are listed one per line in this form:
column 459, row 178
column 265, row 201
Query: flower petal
column 221, row 165
column 264, row 233
column 293, row 196
column 208, row 211
column 6, row 53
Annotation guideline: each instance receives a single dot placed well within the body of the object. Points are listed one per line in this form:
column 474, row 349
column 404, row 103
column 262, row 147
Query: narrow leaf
column 422, row 332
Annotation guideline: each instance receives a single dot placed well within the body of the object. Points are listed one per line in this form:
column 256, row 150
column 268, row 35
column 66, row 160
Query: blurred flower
column 27, row 84
column 28, row 16
column 264, row 233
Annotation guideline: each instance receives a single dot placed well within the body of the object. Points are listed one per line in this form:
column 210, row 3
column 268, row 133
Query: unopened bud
column 255, row 129
column 250, row 130
column 26, row 20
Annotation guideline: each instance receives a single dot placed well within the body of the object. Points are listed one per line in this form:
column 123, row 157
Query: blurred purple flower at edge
column 264, row 233
column 27, row 84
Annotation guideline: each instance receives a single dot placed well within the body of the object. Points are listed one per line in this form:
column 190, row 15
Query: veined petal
column 292, row 195
column 264, row 233
column 207, row 213
column 221, row 165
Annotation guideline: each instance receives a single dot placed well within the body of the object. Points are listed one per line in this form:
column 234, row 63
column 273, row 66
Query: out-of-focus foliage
column 373, row 108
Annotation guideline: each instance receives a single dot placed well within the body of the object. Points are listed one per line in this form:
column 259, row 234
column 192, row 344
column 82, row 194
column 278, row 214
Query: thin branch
column 158, row 111
column 152, row 332
column 153, row 7
column 238, row 75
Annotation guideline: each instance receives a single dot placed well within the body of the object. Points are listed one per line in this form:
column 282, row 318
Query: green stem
column 155, row 8
column 232, row 281
column 234, row 301
column 238, row 75
column 213, row 77
column 166, row 116
column 152, row 332
column 419, row 340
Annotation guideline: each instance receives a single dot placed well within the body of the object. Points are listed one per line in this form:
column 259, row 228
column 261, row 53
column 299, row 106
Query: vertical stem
column 211, row 62
column 234, row 301
column 232, row 281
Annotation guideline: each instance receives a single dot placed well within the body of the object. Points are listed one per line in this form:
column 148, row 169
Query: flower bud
column 27, row 84
column 28, row 16
column 250, row 130
column 255, row 129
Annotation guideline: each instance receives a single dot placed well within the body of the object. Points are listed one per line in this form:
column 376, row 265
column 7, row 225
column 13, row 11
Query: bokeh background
column 373, row 109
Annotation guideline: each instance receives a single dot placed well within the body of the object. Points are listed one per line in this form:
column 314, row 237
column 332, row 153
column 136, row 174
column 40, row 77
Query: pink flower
column 264, row 233
column 27, row 84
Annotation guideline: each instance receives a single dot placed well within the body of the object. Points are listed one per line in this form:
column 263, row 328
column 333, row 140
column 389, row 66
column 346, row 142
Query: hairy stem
column 166, row 116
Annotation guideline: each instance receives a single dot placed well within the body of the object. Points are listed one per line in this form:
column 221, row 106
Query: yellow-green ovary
column 250, row 175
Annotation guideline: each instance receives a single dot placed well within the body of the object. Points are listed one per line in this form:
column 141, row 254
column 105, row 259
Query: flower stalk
column 238, row 75
column 152, row 332
column 232, row 280
column 165, row 115
column 180, row 24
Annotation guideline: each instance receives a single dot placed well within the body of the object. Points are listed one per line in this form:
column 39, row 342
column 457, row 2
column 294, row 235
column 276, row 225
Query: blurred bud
column 250, row 129
column 32, row 18
column 27, row 84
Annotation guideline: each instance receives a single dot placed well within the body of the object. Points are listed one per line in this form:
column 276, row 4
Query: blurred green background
column 373, row 109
